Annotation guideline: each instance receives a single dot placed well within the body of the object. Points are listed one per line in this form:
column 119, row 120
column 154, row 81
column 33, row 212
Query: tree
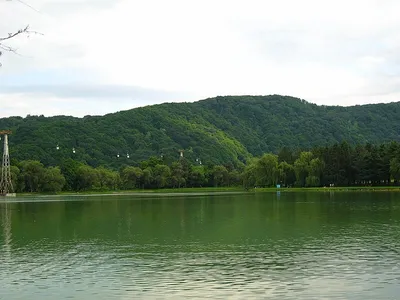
column 266, row 169
column 177, row 175
column 218, row 138
column 131, row 177
column 87, row 178
column 161, row 175
column 197, row 176
column 287, row 174
column 249, row 175
column 32, row 173
column 315, row 170
column 15, row 171
column 220, row 175
column 234, row 178
column 152, row 161
column 107, row 179
column 147, row 177
column 361, row 175
column 307, row 166
column 395, row 169
column 69, row 169
column 286, row 155
column 53, row 180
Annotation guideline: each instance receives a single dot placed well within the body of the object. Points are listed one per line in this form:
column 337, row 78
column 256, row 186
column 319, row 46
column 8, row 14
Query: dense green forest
column 218, row 131
column 339, row 165
column 227, row 141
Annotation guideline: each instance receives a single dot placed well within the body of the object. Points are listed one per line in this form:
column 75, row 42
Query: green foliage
column 219, row 131
column 249, row 176
column 197, row 176
column 107, row 179
column 235, row 178
column 177, row 175
column 286, row 173
column 308, row 169
column 220, row 175
column 395, row 168
column 161, row 175
column 87, row 178
column 302, row 167
column 266, row 170
column 147, row 177
column 52, row 180
column 32, row 175
column 69, row 169
column 227, row 141
column 131, row 177
column 263, row 172
column 338, row 165
column 312, row 181
column 15, row 173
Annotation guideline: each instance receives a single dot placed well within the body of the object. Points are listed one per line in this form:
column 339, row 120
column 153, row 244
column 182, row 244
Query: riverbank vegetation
column 338, row 165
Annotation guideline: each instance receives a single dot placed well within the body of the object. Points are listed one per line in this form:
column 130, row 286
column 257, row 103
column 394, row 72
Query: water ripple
column 328, row 259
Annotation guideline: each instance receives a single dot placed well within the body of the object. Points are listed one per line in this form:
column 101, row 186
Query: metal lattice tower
column 6, row 186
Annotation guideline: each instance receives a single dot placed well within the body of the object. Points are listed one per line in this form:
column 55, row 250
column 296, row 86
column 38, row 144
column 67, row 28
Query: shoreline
column 333, row 189
column 215, row 190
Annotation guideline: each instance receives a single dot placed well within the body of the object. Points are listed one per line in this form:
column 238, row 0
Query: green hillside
column 217, row 131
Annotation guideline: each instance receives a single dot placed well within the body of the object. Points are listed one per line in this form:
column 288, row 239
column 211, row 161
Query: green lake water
column 231, row 246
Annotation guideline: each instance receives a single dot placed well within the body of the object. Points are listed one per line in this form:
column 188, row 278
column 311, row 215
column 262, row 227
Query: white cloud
column 328, row 52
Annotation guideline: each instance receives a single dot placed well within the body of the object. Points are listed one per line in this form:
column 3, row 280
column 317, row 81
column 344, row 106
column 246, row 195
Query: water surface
column 242, row 246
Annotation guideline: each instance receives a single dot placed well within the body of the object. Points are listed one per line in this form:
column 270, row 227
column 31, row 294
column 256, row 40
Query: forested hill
column 216, row 130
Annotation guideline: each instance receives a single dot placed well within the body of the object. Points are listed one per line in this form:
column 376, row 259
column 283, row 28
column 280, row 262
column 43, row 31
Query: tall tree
column 161, row 175
column 267, row 172
column 108, row 179
column 131, row 177
column 220, row 175
column 249, row 175
column 177, row 175
column 395, row 169
column 147, row 177
column 87, row 178
column 315, row 169
column 69, row 169
column 53, row 180
column 32, row 173
column 287, row 175
column 302, row 167
column 197, row 176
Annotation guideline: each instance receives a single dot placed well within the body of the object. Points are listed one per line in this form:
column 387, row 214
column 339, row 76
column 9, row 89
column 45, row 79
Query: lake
column 321, row 245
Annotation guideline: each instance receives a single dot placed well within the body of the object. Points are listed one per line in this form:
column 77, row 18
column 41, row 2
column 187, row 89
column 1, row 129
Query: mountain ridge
column 224, row 129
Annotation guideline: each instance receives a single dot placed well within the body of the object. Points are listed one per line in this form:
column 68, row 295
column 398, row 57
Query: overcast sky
column 101, row 56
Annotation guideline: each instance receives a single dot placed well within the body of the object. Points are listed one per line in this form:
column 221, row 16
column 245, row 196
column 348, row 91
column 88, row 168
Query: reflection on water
column 6, row 225
column 286, row 246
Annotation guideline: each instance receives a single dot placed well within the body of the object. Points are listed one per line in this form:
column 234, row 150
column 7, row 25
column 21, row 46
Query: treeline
column 33, row 176
column 338, row 165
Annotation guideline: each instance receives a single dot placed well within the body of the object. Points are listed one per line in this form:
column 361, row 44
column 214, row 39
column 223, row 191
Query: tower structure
column 6, row 186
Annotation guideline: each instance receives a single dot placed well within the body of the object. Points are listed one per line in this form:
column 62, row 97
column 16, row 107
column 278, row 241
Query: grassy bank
column 332, row 189
column 146, row 191
column 227, row 190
